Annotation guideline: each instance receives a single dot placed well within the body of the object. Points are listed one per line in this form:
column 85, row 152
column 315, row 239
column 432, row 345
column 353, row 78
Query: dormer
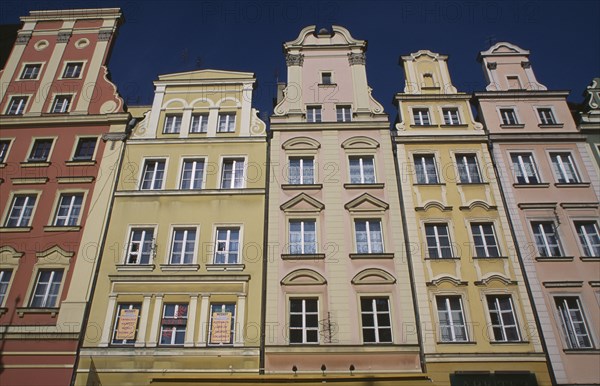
column 427, row 73
column 507, row 68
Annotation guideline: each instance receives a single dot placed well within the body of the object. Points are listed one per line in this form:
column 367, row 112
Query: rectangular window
column 226, row 123
column 172, row 124
column 20, row 210
column 589, row 237
column 302, row 170
column 68, row 211
column 513, row 83
column 451, row 116
column 421, row 117
column 173, row 324
column 4, row 144
column 438, row 241
column 313, row 114
column 47, row 287
column 5, row 275
column 141, row 246
column 546, row 116
column 85, row 149
column 369, row 238
column 73, row 70
column 199, row 123
column 227, row 245
column 484, row 238
column 233, row 173
column 17, row 105
column 376, row 320
column 573, row 322
column 184, row 242
column 192, row 174
column 304, row 321
column 61, row 103
column 502, row 316
column 467, row 168
column 564, row 168
column 546, row 239
column 509, row 117
column 222, row 323
column 303, row 237
column 40, row 150
column 425, row 168
column 452, row 320
column 524, row 168
column 326, row 78
column 362, row 169
column 152, row 177
column 126, row 323
column 31, row 71
column 344, row 113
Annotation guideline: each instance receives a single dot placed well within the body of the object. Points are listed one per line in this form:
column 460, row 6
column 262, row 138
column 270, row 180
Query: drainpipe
column 263, row 308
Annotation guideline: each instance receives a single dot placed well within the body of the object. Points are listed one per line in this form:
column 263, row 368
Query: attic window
column 428, row 80
column 513, row 83
column 326, row 78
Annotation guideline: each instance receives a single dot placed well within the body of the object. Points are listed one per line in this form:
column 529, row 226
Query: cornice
column 355, row 125
column 41, row 120
column 536, row 137
column 190, row 140
column 512, row 94
column 433, row 97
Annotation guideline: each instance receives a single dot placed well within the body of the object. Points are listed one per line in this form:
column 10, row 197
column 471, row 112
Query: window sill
column 3, row 310
column 554, row 258
column 589, row 258
column 29, row 181
column 510, row 342
column 2, row 165
column 431, row 184
column 515, row 126
column 27, row 310
column 371, row 256
column 301, row 186
column 303, row 256
column 364, row 186
column 472, row 183
column 179, row 267
column 135, row 267
column 550, row 125
column 225, row 267
column 572, row 185
column 15, row 229
column 450, row 126
column 226, row 132
column 327, row 84
column 536, row 185
column 489, row 257
column 442, row 258
column 35, row 164
column 198, row 132
column 80, row 163
column 424, row 126
column 457, row 342
column 581, row 351
column 53, row 228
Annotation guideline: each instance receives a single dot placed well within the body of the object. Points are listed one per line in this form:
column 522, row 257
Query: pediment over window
column 301, row 143
column 303, row 277
column 366, row 203
column 478, row 204
column 434, row 204
column 495, row 279
column 175, row 103
column 54, row 256
column 373, row 276
column 303, row 203
column 447, row 280
column 360, row 143
column 9, row 256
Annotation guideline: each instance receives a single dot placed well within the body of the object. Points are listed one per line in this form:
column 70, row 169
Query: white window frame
column 146, row 237
column 5, row 145
column 175, row 328
column 452, row 323
column 314, row 114
column 343, row 113
column 172, row 123
column 363, row 177
column 74, row 211
column 22, row 221
column 234, row 170
column 59, row 99
column 129, row 306
column 542, row 238
column 485, row 245
column 523, row 169
column 226, row 122
column 374, row 312
column 503, row 326
column 370, row 246
column 153, row 178
column 560, row 170
column 199, row 123
column 79, row 141
column 502, row 112
column 227, row 240
column 195, row 166
column 568, row 323
column 590, row 247
column 304, row 245
column 421, row 159
column 304, row 314
column 462, row 161
column 437, row 238
column 223, row 306
column 34, row 144
column 301, row 167
column 185, row 242
column 53, row 288
column 447, row 115
column 22, row 104
column 544, row 118
column 6, row 274
column 419, row 118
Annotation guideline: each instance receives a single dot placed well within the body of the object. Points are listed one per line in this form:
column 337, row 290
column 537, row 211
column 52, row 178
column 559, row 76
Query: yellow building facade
column 179, row 287
column 476, row 319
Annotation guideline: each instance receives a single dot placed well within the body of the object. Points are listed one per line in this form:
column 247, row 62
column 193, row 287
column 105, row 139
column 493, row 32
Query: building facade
column 62, row 132
column 550, row 182
column 179, row 288
column 588, row 118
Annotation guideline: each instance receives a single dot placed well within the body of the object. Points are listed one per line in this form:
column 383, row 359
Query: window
column 362, row 170
column 85, row 149
column 428, row 80
column 5, row 275
column 524, row 168
column 421, row 117
column 513, row 83
column 173, row 324
column 192, row 174
column 20, row 211
column 588, row 237
column 376, row 321
column 326, row 78
column 573, row 322
column 68, row 209
column 546, row 116
column 509, row 117
column 484, row 238
column 233, row 173
column 368, row 236
column 313, row 114
column 73, row 70
column 31, row 71
column 4, row 144
column 451, row 116
column 226, row 123
column 16, row 105
column 126, row 323
column 47, row 287
column 152, row 178
column 61, row 103
column 222, row 323
column 344, row 113
column 467, row 168
column 184, row 242
column 564, row 168
column 303, row 237
column 302, row 170
column 438, row 241
column 199, row 123
column 452, row 320
column 425, row 168
column 40, row 150
column 304, row 321
column 546, row 239
column 141, row 246
column 172, row 124
column 227, row 245
column 502, row 316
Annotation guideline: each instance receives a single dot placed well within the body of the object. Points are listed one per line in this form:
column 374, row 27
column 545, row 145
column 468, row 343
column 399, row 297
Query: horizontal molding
column 75, row 180
column 187, row 192
column 301, row 186
column 29, row 181
column 562, row 284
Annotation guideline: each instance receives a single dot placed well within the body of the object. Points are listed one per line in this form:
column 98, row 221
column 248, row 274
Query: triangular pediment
column 366, row 203
column 207, row 74
column 303, row 203
column 303, row 277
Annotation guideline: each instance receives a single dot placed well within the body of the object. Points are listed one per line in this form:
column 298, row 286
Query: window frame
column 193, row 180
column 545, row 250
column 70, row 75
column 71, row 207
column 448, row 119
column 24, row 69
column 55, row 103
column 463, row 164
column 367, row 221
column 154, row 178
column 202, row 125
column 560, row 172
column 229, row 123
column 502, row 113
column 450, row 317
column 33, row 149
column 543, row 119
column 417, row 112
column 303, row 243
column 175, row 330
column 11, row 206
column 224, row 306
column 234, row 159
column 438, row 247
column 590, row 249
column 523, row 167
column 568, row 330
column 305, row 328
column 426, row 177
column 143, row 242
column 343, row 113
column 51, row 285
column 301, row 169
column 326, row 78
column 78, row 146
column 483, row 235
column 172, row 123
column 20, row 110
column 194, row 241
column 5, row 283
column 118, row 309
column 502, row 324
column 227, row 252
column 314, row 113
column 5, row 147
column 374, row 312
column 363, row 177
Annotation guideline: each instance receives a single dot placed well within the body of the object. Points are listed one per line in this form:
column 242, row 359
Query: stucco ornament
column 142, row 126
column 257, row 127
column 294, row 59
column 356, row 58
column 108, row 107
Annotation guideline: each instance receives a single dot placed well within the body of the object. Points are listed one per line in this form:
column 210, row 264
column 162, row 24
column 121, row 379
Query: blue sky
column 161, row 37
